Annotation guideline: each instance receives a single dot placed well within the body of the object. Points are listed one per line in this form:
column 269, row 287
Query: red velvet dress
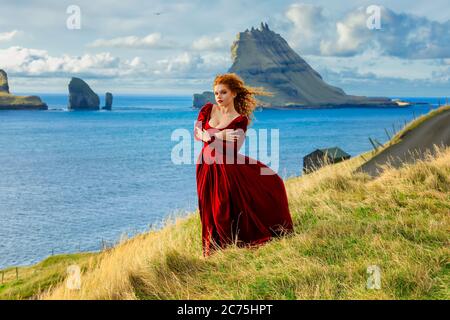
column 237, row 203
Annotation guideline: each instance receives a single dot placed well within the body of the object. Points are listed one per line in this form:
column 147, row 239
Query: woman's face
column 224, row 96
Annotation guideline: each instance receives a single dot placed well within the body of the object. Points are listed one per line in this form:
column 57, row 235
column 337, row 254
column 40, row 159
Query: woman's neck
column 227, row 109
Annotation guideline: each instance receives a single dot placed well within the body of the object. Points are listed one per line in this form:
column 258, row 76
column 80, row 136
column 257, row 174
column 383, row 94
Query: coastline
column 52, row 270
column 87, row 247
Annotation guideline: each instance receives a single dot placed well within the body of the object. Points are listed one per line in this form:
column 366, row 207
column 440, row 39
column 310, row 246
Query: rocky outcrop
column 9, row 101
column 262, row 58
column 4, row 87
column 108, row 101
column 81, row 96
column 200, row 99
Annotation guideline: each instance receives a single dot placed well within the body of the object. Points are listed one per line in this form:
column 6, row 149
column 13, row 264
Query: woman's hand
column 228, row 134
column 202, row 134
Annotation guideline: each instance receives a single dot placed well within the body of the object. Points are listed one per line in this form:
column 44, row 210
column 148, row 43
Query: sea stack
column 108, row 101
column 262, row 58
column 81, row 96
column 203, row 98
column 4, row 87
column 9, row 101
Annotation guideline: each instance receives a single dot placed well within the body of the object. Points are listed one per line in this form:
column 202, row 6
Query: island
column 262, row 58
column 9, row 101
column 81, row 96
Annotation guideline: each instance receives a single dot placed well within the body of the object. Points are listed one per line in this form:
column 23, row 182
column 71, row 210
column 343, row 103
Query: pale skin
column 221, row 115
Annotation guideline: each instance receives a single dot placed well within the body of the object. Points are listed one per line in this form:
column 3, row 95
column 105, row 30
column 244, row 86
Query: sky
column 165, row 47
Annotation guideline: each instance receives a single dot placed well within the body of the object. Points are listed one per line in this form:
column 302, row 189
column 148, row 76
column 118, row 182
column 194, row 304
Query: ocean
column 72, row 181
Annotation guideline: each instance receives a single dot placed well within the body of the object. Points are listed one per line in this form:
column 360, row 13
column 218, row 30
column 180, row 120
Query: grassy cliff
column 12, row 102
column 344, row 223
column 27, row 282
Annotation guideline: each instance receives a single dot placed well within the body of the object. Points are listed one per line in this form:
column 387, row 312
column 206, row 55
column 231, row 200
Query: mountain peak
column 263, row 27
column 263, row 58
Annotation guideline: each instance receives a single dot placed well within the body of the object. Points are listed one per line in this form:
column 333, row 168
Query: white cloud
column 207, row 43
column 152, row 40
column 8, row 36
column 371, row 64
column 19, row 61
column 33, row 62
column 401, row 34
column 189, row 64
column 350, row 35
column 308, row 22
column 184, row 62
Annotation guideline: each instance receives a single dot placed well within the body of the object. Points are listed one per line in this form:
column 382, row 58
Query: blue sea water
column 70, row 180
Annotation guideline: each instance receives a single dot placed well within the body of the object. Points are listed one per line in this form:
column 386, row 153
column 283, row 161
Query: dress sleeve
column 201, row 119
column 242, row 123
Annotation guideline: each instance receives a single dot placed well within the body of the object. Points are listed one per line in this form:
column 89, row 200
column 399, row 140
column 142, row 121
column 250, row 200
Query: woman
column 241, row 200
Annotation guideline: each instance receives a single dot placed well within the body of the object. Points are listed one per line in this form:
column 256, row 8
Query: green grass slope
column 345, row 221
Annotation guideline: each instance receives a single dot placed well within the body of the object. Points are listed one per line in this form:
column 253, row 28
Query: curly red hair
column 244, row 102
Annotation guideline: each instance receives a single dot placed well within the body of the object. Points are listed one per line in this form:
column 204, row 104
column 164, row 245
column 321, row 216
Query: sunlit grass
column 344, row 222
column 27, row 282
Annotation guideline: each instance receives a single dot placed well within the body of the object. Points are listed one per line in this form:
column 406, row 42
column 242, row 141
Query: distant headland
column 262, row 58
column 9, row 101
column 81, row 97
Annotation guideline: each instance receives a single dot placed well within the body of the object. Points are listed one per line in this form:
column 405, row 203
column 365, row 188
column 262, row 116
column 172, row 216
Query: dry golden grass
column 27, row 282
column 12, row 100
column 344, row 222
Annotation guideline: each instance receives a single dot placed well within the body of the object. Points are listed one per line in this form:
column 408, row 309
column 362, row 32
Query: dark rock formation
column 4, row 87
column 321, row 157
column 11, row 102
column 108, row 101
column 200, row 99
column 81, row 96
column 262, row 58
